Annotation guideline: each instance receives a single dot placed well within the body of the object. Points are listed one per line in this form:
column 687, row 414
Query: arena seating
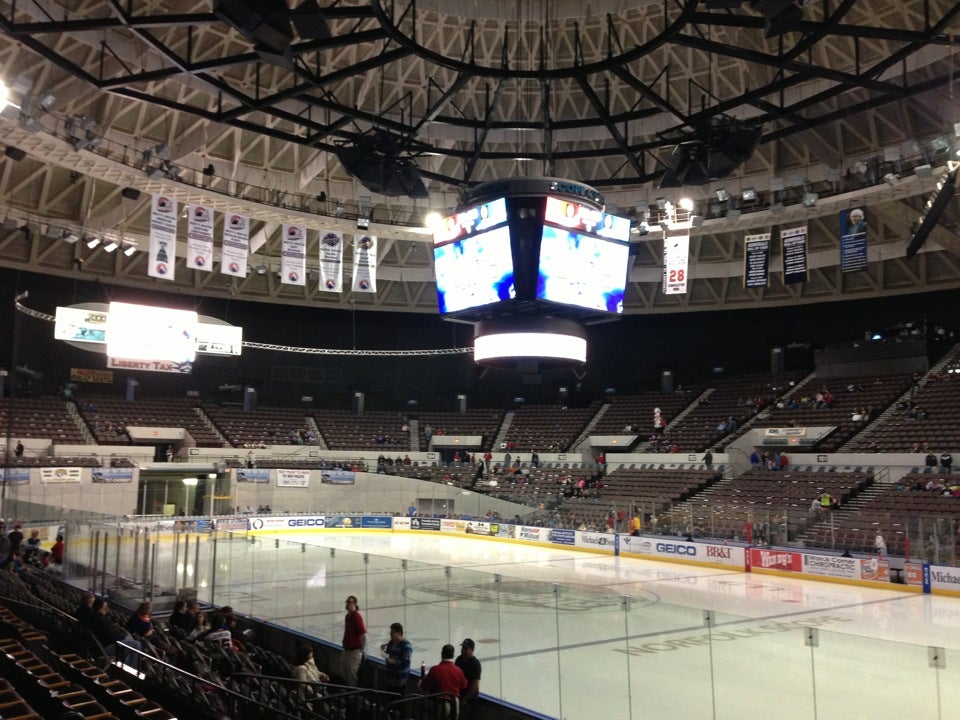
column 547, row 428
column 876, row 392
column 254, row 428
column 475, row 421
column 108, row 416
column 740, row 398
column 40, row 418
column 636, row 411
column 377, row 430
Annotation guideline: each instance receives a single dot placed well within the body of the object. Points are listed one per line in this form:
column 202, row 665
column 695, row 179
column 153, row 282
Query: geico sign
column 718, row 552
column 306, row 522
column 674, row 549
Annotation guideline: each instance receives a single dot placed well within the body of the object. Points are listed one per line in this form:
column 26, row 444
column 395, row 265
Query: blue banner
column 853, row 240
column 15, row 476
column 338, row 477
column 112, row 475
column 563, row 537
column 344, row 521
column 756, row 261
column 376, row 521
column 253, row 475
column 794, row 254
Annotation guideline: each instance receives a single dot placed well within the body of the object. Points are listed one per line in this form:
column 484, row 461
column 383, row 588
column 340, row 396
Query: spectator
column 471, row 668
column 354, row 642
column 447, row 679
column 18, row 451
column 397, row 653
column 181, row 618
column 57, row 551
column 85, row 608
column 108, row 633
column 305, row 668
column 33, row 543
column 708, row 459
column 15, row 537
column 930, row 461
column 946, row 461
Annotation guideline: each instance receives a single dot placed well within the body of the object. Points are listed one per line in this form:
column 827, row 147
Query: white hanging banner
column 293, row 255
column 163, row 237
column 199, row 237
column 676, row 252
column 365, row 263
column 236, row 245
column 331, row 261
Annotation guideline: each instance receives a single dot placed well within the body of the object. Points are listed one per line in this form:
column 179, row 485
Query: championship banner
column 163, row 237
column 236, row 245
column 756, row 260
column 102, row 377
column 364, row 263
column 676, row 252
column 331, row 261
column 794, row 254
column 293, row 255
column 199, row 237
column 853, row 240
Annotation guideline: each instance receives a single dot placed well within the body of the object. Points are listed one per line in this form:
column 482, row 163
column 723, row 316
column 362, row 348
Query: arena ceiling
column 845, row 94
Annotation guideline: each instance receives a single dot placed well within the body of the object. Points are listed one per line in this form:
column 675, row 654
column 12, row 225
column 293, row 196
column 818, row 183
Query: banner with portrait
column 163, row 237
column 199, row 237
column 293, row 255
column 364, row 263
column 853, row 240
column 236, row 245
column 331, row 261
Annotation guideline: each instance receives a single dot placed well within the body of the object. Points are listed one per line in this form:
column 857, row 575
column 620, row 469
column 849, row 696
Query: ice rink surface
column 580, row 636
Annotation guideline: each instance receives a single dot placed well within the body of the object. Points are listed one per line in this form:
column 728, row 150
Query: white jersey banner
column 199, row 237
column 293, row 255
column 236, row 245
column 364, row 263
column 331, row 261
column 676, row 252
column 163, row 237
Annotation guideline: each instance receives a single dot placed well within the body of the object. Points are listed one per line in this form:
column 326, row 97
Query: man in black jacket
column 107, row 632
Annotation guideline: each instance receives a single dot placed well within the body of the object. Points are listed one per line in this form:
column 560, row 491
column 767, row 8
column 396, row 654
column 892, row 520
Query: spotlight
column 110, row 246
column 810, row 199
column 363, row 223
column 129, row 250
column 749, row 194
column 891, row 179
column 686, row 204
column 722, row 195
column 70, row 237
column 162, row 151
column 93, row 242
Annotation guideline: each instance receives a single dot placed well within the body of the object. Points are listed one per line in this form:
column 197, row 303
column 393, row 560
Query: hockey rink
column 579, row 636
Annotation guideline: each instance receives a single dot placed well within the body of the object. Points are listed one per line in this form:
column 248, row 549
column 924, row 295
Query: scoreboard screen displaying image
column 582, row 270
column 140, row 332
column 475, row 270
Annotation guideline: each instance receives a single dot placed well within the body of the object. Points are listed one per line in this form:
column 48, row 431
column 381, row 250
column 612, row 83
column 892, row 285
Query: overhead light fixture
column 89, row 141
column 932, row 212
column 129, row 250
column 110, row 246
column 722, row 195
column 749, row 194
column 363, row 223
column 834, row 175
column 340, row 210
column 261, row 269
column 70, row 237
column 93, row 242
column 696, row 220
column 891, row 179
column 810, row 199
column 923, row 171
column 686, row 204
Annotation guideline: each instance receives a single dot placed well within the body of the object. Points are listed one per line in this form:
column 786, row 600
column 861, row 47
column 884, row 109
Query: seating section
column 481, row 422
column 780, row 501
column 873, row 392
column 739, row 398
column 264, row 426
column 342, row 430
column 40, row 418
column 893, row 512
column 636, row 411
column 933, row 425
column 547, row 428
column 108, row 417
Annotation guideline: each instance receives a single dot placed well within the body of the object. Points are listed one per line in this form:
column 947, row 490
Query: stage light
column 686, row 204
column 810, row 199
column 70, row 237
column 129, row 250
column 110, row 246
column 431, row 220
column 722, row 195
column 93, row 242
column 749, row 194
